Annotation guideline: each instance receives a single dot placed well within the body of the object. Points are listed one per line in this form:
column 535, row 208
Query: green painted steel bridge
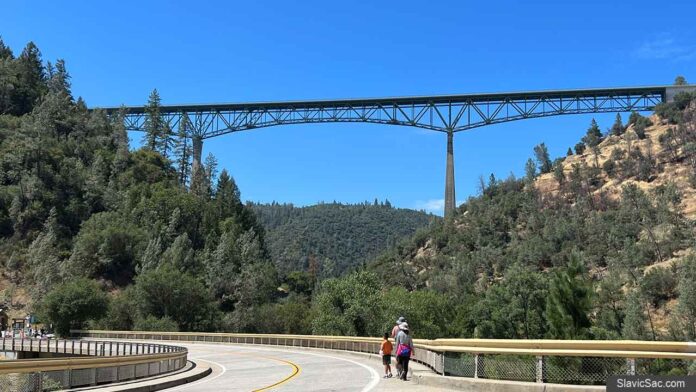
column 441, row 113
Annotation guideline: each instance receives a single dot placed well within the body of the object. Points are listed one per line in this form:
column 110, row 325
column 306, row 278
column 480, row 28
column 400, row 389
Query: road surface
column 259, row 368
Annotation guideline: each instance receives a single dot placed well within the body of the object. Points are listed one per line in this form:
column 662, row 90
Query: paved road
column 255, row 368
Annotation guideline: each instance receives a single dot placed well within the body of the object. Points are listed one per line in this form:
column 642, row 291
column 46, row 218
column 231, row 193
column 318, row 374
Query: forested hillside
column 331, row 238
column 93, row 234
column 594, row 245
column 81, row 215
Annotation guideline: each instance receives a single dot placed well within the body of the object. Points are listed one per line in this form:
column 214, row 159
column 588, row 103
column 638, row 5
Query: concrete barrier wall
column 533, row 362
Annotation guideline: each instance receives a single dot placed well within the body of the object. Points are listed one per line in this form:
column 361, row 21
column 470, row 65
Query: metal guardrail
column 74, row 363
column 543, row 361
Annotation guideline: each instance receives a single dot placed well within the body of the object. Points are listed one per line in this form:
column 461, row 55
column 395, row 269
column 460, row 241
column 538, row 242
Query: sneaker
column 386, row 376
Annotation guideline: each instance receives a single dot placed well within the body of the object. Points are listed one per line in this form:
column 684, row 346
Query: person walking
column 404, row 350
column 385, row 351
column 397, row 328
column 395, row 331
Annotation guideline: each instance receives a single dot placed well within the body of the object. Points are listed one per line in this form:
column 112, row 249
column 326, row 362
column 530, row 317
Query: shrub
column 639, row 126
column 579, row 148
column 672, row 111
column 658, row 285
column 152, row 323
column 71, row 304
column 609, row 167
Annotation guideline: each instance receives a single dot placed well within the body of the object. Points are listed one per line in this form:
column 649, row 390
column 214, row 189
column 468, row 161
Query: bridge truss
column 442, row 113
column 447, row 113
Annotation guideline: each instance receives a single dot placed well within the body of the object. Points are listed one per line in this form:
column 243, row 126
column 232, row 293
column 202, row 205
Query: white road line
column 370, row 386
column 373, row 372
column 205, row 379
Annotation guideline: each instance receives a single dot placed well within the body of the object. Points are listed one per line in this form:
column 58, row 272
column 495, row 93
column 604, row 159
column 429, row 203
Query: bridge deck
column 407, row 100
column 444, row 113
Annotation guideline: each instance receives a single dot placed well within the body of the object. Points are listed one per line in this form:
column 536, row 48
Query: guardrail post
column 442, row 357
column 540, row 369
column 631, row 365
column 478, row 365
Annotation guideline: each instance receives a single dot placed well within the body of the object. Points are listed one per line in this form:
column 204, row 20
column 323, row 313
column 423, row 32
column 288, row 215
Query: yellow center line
column 296, row 369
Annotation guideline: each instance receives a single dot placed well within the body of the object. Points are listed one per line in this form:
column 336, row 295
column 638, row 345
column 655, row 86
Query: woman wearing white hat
column 395, row 332
column 404, row 350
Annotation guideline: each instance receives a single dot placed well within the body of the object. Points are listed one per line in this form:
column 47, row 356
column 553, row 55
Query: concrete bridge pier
column 197, row 144
column 450, row 200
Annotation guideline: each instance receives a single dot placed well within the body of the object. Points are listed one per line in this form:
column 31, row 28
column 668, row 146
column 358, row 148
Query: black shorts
column 386, row 359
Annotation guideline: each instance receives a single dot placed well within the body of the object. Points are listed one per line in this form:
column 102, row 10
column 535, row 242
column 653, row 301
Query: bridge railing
column 75, row 363
column 541, row 361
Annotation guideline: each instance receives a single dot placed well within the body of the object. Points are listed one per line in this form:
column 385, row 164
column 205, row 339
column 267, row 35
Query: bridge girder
column 454, row 113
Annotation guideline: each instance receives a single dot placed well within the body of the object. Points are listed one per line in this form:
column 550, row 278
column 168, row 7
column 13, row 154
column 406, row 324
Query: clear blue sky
column 204, row 51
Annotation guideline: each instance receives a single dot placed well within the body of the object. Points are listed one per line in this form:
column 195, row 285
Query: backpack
column 403, row 350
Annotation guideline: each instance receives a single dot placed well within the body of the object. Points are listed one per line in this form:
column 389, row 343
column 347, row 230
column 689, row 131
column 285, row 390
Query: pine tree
column 542, row 156
column 152, row 256
column 210, row 167
column 617, row 129
column 634, row 326
column 182, row 152
column 569, row 152
column 8, row 78
column 592, row 139
column 683, row 321
column 558, row 173
column 59, row 79
column 568, row 303
column 5, row 51
column 173, row 227
column 31, row 76
column 227, row 196
column 680, row 81
column 44, row 256
column 180, row 254
column 154, row 122
column 530, row 170
column 166, row 142
column 579, row 148
column 593, row 136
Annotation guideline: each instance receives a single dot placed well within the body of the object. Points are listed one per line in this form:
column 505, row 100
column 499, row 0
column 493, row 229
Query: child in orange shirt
column 385, row 351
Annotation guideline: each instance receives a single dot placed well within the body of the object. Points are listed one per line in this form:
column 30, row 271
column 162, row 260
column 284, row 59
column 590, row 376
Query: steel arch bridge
column 442, row 113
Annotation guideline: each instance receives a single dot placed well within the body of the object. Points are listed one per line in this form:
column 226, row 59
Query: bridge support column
column 197, row 144
column 450, row 200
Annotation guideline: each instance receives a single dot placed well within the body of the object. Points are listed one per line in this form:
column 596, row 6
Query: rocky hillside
column 668, row 161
